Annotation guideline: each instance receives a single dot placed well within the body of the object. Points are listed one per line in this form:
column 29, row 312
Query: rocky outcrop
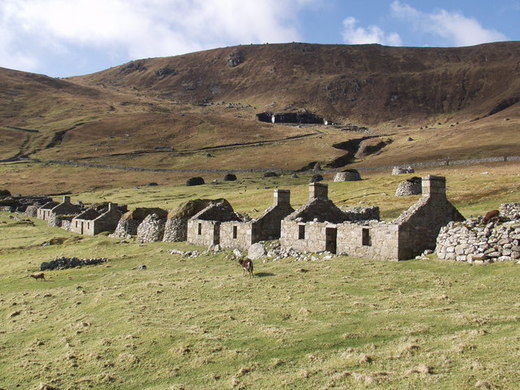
column 412, row 186
column 69, row 262
column 151, row 229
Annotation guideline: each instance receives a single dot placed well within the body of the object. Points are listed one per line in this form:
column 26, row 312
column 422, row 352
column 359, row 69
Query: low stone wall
column 473, row 241
column 510, row 210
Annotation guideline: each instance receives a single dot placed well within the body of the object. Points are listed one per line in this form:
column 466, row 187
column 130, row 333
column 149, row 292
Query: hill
column 198, row 110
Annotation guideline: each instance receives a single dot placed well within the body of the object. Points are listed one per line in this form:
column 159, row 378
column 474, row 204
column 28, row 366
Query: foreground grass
column 199, row 324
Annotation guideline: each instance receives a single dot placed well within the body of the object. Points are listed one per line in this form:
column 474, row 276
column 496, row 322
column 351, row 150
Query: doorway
column 331, row 240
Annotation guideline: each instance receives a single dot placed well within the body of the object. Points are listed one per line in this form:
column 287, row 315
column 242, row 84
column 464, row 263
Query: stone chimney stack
column 66, row 199
column 434, row 186
column 282, row 197
column 111, row 207
column 318, row 191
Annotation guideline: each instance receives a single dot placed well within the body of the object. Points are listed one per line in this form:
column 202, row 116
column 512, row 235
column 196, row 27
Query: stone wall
column 203, row 233
column 31, row 211
column 151, row 229
column 304, row 237
column 473, row 241
column 130, row 221
column 510, row 210
column 236, row 234
column 372, row 240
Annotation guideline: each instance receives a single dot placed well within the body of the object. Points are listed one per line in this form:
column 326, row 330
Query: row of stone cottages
column 319, row 225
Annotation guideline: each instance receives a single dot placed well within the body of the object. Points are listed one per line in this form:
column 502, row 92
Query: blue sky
column 71, row 37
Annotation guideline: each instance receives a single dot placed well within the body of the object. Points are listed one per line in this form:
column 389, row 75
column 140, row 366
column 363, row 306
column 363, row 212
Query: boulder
column 195, row 181
column 256, row 251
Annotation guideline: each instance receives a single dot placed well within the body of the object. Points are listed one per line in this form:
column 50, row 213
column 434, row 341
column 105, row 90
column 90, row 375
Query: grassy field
column 197, row 323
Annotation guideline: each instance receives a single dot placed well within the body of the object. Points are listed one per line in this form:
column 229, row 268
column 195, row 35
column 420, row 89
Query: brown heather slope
column 364, row 83
column 204, row 108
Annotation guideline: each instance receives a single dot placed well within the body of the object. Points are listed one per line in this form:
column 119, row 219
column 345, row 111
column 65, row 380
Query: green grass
column 199, row 324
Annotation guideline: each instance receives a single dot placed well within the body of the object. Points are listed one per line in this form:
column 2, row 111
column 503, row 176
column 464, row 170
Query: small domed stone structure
column 230, row 177
column 347, row 175
column 271, row 174
column 402, row 170
column 412, row 186
column 195, row 181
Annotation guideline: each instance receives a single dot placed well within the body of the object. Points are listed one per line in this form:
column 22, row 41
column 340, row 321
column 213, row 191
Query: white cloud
column 354, row 34
column 455, row 28
column 139, row 28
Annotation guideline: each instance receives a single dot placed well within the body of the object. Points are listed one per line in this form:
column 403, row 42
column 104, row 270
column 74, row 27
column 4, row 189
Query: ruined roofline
column 49, row 205
column 223, row 210
column 318, row 214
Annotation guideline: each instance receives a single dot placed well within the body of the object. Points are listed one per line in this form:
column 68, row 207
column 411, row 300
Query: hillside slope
column 365, row 83
column 198, row 110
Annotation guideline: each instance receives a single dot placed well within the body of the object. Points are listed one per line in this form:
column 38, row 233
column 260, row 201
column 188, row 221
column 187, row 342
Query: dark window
column 301, row 232
column 367, row 240
column 235, row 232
column 200, row 229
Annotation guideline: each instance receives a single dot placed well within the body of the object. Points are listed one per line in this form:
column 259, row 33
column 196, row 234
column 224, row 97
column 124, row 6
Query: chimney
column 111, row 206
column 66, row 199
column 434, row 185
column 282, row 197
column 318, row 190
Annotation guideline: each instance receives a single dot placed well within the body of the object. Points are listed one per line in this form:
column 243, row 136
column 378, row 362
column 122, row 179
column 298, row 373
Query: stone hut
column 312, row 228
column 347, row 175
column 402, row 170
column 129, row 222
column 204, row 227
column 151, row 229
column 92, row 221
column 414, row 231
column 32, row 211
column 241, row 235
column 409, row 187
column 176, row 228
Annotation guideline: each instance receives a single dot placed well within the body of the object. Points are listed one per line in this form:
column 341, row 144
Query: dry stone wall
column 473, row 241
column 510, row 210
column 151, row 229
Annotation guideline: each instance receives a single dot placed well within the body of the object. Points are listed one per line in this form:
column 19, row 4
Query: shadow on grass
column 263, row 274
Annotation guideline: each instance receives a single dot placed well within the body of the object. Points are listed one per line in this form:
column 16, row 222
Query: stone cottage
column 313, row 227
column 242, row 234
column 204, row 227
column 404, row 238
column 92, row 221
column 44, row 211
column 64, row 210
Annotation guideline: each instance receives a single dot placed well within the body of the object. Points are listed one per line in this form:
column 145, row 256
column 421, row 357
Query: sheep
column 39, row 275
column 490, row 215
column 247, row 266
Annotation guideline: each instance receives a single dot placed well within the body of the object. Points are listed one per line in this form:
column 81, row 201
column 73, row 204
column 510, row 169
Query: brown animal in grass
column 39, row 275
column 490, row 215
column 247, row 266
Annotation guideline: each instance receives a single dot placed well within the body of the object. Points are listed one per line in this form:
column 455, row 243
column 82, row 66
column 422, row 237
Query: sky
column 72, row 37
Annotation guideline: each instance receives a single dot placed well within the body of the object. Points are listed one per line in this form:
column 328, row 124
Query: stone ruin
column 320, row 226
column 411, row 186
column 151, row 229
column 474, row 241
column 130, row 221
column 176, row 228
column 290, row 117
column 347, row 175
column 402, row 170
column 94, row 221
column 195, row 181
